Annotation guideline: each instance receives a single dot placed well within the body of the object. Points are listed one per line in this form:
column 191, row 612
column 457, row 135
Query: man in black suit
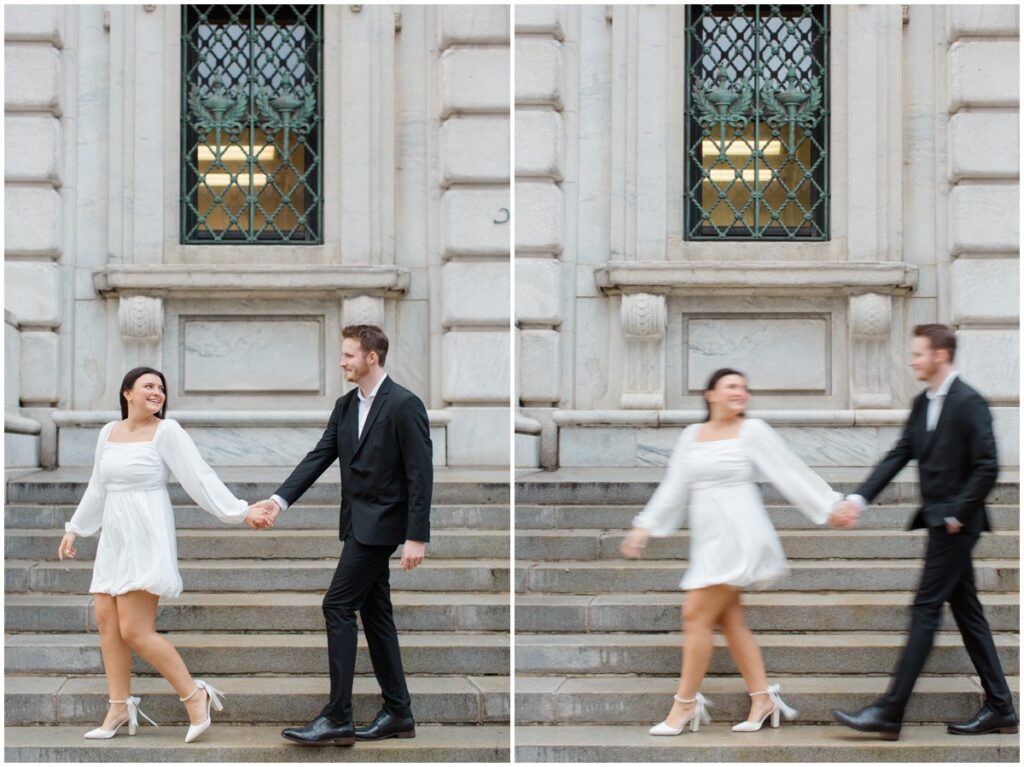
column 949, row 432
column 380, row 435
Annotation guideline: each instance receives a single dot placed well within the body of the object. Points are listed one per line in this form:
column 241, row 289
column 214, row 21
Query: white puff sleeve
column 800, row 484
column 666, row 511
column 88, row 517
column 181, row 455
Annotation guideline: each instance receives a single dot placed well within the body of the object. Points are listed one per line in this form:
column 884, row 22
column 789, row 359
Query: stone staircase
column 250, row 622
column 598, row 636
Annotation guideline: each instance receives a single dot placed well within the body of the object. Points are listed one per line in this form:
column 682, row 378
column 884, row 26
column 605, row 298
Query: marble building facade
column 620, row 318
column 416, row 237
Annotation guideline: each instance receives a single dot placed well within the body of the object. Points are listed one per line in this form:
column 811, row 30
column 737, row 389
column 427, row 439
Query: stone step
column 576, row 577
column 264, row 611
column 636, row 485
column 276, row 543
column 43, row 516
column 764, row 611
column 451, row 486
column 237, row 575
column 645, row 700
column 792, row 742
column 557, row 545
column 611, row 517
column 248, row 743
column 264, row 652
column 796, row 654
column 280, row 700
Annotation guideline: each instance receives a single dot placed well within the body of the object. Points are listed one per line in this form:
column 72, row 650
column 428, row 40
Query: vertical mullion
column 755, row 80
column 250, row 88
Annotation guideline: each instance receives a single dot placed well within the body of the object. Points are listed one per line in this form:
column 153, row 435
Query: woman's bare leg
column 701, row 612
column 137, row 611
column 747, row 654
column 117, row 659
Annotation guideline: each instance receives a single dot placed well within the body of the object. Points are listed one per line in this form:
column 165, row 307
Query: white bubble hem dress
column 127, row 499
column 732, row 540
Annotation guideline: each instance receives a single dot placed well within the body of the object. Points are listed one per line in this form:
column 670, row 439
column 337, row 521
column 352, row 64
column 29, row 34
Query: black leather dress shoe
column 870, row 719
column 321, row 731
column 986, row 721
column 387, row 725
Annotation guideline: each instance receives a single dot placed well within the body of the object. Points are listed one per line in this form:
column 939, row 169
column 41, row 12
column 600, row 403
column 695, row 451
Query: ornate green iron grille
column 757, row 127
column 251, row 124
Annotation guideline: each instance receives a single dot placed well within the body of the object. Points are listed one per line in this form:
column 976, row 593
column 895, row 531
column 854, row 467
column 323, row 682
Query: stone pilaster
column 643, row 371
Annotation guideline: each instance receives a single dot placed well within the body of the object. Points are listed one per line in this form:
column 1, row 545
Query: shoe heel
column 344, row 741
column 776, row 714
column 406, row 734
column 1009, row 730
column 890, row 735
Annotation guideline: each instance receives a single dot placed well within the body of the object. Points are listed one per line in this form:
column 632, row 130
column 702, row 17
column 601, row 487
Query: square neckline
column 739, row 435
column 141, row 442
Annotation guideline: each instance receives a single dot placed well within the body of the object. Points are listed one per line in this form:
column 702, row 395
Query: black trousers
column 948, row 577
column 361, row 583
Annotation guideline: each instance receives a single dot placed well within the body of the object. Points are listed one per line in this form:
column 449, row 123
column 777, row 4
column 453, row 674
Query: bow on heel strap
column 703, row 704
column 216, row 695
column 133, row 713
column 787, row 711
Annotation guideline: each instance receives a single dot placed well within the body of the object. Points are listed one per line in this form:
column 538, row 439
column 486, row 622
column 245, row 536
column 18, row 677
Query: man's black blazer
column 387, row 475
column 957, row 463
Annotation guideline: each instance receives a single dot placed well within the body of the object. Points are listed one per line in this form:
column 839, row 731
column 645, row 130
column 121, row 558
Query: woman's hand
column 635, row 543
column 67, row 546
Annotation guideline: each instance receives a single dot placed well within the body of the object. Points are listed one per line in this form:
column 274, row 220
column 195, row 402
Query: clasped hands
column 844, row 515
column 262, row 514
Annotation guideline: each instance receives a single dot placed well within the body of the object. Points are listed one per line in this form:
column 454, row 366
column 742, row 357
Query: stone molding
column 362, row 310
column 180, row 280
column 223, row 418
column 892, row 277
column 526, row 425
column 649, row 418
column 17, row 424
column 870, row 329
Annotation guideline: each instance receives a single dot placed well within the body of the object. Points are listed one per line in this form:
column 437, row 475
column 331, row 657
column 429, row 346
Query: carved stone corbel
column 870, row 367
column 362, row 310
column 644, row 319
column 141, row 321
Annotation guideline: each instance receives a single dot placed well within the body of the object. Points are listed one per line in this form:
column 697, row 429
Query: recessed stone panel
column 984, row 218
column 40, row 367
column 540, row 143
column 475, row 222
column 32, row 78
column 984, row 73
column 778, row 354
column 475, row 80
column 473, row 24
column 33, row 149
column 476, row 367
column 539, row 71
column 539, row 366
column 476, row 293
column 990, row 361
column 273, row 354
column 539, row 291
column 33, row 221
column 985, row 290
column 475, row 150
column 479, row 436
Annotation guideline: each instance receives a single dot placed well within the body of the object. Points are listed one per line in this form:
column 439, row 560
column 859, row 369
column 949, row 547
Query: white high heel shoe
column 778, row 707
column 700, row 714
column 213, row 696
column 132, row 721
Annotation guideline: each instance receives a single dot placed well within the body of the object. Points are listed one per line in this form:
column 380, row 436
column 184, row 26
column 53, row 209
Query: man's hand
column 262, row 514
column 67, row 546
column 845, row 515
column 953, row 527
column 412, row 554
column 635, row 542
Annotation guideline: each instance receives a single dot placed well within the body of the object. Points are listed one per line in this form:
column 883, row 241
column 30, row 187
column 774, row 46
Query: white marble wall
column 416, row 236
column 473, row 155
column 39, row 119
column 983, row 172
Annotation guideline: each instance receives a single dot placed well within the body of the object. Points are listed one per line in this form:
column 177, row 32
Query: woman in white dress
column 136, row 557
column 733, row 545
